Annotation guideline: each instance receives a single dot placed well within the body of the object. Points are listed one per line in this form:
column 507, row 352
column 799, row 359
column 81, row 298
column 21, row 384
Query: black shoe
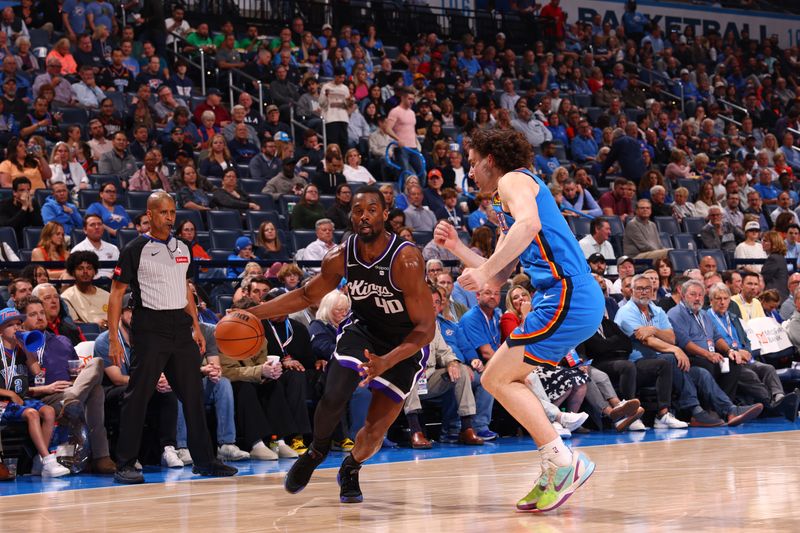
column 128, row 475
column 350, row 491
column 300, row 473
column 215, row 469
column 788, row 406
column 705, row 419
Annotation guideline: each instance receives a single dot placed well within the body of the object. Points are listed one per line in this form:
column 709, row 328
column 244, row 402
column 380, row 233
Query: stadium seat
column 256, row 218
column 327, row 200
column 718, row 255
column 666, row 240
column 684, row 241
column 224, row 302
column 126, row 235
column 72, row 115
column 682, row 260
column 667, row 224
column 694, row 225
column 98, row 179
column 423, row 237
column 41, row 195
column 224, row 220
column 191, row 214
column 692, row 185
column 87, row 197
column 264, row 201
column 251, row 186
column 580, row 225
column 30, row 237
column 617, row 228
column 225, row 239
column 303, row 237
column 137, row 199
column 9, row 236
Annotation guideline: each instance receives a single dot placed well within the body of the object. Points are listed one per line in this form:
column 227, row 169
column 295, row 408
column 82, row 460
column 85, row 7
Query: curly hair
column 510, row 149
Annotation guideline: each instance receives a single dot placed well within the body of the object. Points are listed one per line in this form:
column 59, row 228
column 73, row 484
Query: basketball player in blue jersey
column 381, row 345
column 567, row 306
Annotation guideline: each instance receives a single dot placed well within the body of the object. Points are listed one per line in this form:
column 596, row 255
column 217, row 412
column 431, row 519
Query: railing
column 293, row 122
column 734, row 106
column 189, row 60
column 258, row 98
column 666, row 81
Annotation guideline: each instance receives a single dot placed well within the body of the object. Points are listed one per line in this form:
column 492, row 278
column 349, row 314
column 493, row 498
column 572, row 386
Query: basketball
column 239, row 335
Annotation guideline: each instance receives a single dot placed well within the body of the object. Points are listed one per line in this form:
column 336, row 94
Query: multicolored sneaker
column 556, row 484
column 344, row 445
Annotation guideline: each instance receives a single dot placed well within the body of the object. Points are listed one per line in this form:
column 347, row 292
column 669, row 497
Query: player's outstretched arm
column 309, row 294
column 446, row 236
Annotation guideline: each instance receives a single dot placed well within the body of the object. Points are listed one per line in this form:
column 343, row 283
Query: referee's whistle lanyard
column 289, row 335
column 165, row 243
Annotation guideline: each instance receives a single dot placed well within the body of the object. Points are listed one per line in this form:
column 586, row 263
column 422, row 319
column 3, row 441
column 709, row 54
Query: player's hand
column 472, row 279
column 115, row 351
column 477, row 365
column 15, row 398
column 293, row 364
column 200, row 340
column 525, row 307
column 445, row 235
column 163, row 385
column 320, row 365
column 372, row 368
column 454, row 371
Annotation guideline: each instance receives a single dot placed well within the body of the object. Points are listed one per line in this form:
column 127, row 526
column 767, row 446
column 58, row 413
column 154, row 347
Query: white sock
column 259, row 444
column 556, row 452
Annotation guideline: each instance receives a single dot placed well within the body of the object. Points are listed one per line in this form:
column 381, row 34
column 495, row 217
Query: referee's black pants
column 161, row 341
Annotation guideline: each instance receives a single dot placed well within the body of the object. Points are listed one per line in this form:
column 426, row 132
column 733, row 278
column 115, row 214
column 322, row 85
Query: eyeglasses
column 641, row 289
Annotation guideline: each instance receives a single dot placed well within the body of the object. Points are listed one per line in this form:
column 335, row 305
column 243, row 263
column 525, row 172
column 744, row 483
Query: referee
column 165, row 337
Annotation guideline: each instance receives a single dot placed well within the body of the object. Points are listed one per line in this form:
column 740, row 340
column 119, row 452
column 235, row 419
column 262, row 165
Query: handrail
column 202, row 65
column 294, row 122
column 232, row 88
column 729, row 119
column 735, row 106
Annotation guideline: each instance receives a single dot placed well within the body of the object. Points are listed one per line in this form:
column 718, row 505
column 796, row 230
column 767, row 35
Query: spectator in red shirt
column 552, row 10
column 619, row 200
column 213, row 103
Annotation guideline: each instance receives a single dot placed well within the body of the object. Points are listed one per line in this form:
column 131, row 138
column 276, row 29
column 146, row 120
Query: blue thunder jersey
column 378, row 306
column 554, row 253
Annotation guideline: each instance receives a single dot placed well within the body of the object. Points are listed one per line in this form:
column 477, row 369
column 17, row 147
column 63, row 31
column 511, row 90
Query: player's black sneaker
column 300, row 473
column 215, row 468
column 350, row 490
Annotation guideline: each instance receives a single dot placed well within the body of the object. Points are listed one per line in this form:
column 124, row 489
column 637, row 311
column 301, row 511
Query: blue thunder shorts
column 13, row 411
column 561, row 317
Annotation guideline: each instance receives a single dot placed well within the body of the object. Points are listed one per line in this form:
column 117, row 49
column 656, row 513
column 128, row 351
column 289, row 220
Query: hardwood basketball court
column 748, row 481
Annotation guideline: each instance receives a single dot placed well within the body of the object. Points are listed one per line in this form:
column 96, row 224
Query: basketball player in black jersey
column 382, row 344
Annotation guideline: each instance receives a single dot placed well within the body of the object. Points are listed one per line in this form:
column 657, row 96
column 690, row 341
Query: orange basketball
column 239, row 335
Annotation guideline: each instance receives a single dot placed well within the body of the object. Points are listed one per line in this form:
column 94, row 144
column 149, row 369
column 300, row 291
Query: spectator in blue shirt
column 469, row 66
column 74, row 14
column 546, row 162
column 584, row 146
column 57, row 208
column 481, row 326
column 769, row 192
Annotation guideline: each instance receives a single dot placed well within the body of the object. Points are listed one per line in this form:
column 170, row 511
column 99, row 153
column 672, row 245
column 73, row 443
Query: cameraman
column 21, row 209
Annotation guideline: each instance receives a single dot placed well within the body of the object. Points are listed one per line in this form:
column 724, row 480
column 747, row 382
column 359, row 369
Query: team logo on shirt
column 182, row 259
column 118, row 271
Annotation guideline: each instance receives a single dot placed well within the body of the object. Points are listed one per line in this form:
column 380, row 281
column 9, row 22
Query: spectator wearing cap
column 334, row 100
column 607, row 92
column 213, row 103
column 598, row 266
column 273, row 124
column 433, row 193
column 750, row 248
column 625, row 269
column 177, row 147
column 546, row 162
column 242, row 252
column 286, row 181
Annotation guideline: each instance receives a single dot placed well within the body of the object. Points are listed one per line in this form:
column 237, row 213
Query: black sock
column 413, row 422
column 350, row 463
column 466, row 422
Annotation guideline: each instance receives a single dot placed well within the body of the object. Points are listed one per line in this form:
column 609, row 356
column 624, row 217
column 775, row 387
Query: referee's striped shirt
column 156, row 272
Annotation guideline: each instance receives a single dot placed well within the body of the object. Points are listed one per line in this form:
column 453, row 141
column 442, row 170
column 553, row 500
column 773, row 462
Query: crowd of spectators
column 647, row 180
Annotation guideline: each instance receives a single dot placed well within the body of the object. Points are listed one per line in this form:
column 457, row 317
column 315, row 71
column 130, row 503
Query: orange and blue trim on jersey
column 560, row 314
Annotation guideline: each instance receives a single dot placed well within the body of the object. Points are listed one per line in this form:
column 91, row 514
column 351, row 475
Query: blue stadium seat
column 251, row 186
column 40, row 195
column 694, row 225
column 9, row 236
column 72, row 115
column 88, row 327
column 303, row 237
column 264, row 201
column 718, row 255
column 30, row 237
column 191, row 214
column 137, row 199
column 580, row 225
column 126, row 235
column 256, row 218
column 666, row 241
column 423, row 237
column 87, row 197
column 204, row 239
column 77, row 236
column 682, row 260
column 224, row 302
column 98, row 179
column 225, row 239
column 667, row 224
column 684, row 241
column 224, row 220
column 617, row 228
column 327, row 200
column 693, row 186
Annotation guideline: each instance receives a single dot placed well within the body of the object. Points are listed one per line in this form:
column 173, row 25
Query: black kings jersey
column 378, row 305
